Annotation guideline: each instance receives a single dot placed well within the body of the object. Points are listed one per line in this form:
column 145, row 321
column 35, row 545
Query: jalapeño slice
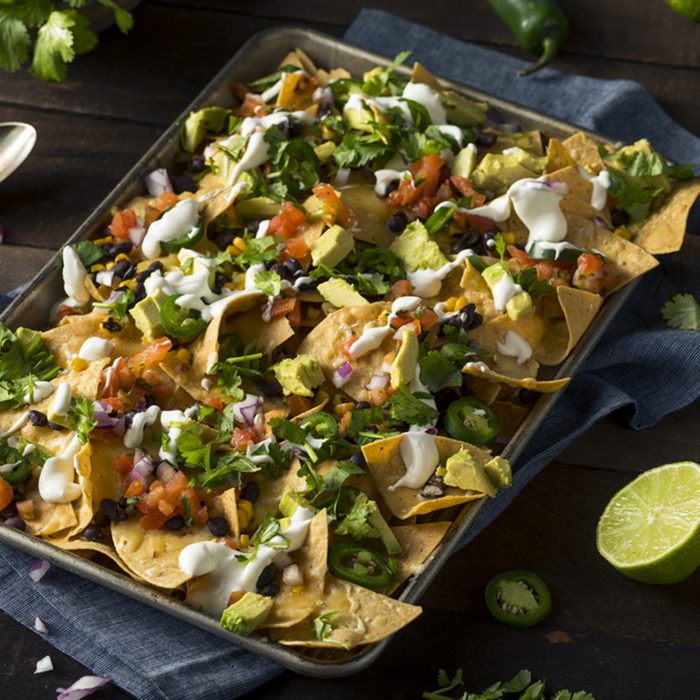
column 179, row 322
column 187, row 240
column 472, row 421
column 360, row 565
column 518, row 598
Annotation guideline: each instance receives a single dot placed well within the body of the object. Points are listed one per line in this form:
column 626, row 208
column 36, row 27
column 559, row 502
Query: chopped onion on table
column 83, row 687
column 44, row 665
column 39, row 625
column 38, row 569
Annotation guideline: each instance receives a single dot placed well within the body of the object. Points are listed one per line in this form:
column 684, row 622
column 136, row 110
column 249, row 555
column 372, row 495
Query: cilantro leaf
column 683, row 312
column 192, row 448
column 227, row 467
column 14, row 41
column 267, row 81
column 118, row 307
column 322, row 624
column 294, row 164
column 381, row 81
column 123, row 18
column 287, row 430
column 406, row 407
column 260, row 250
column 437, row 372
column 268, row 282
column 356, row 522
column 81, row 413
column 88, row 253
column 358, row 149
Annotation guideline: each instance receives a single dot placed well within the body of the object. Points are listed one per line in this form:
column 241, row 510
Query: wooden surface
column 612, row 636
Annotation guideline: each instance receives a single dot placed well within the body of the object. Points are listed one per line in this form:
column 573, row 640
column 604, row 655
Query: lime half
column 650, row 530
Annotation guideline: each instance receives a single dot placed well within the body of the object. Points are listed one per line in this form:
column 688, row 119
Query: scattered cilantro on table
column 682, row 312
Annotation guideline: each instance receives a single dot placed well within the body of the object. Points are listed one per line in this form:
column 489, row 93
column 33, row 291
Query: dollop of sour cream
column 420, row 457
column 74, row 276
column 95, row 349
column 39, row 391
column 515, row 346
column 133, row 437
column 56, row 483
column 176, row 222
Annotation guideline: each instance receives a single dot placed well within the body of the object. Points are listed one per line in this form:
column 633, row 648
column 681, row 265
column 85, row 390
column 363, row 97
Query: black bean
column 397, row 222
column 393, row 185
column 196, row 165
column 111, row 326
column 324, row 109
column 358, row 459
column 38, row 418
column 486, row 138
column 308, row 285
column 272, row 590
column 270, row 387
column 113, row 510
column 218, row 526
column 157, row 265
column 177, row 522
column 220, row 280
column 444, row 397
column 139, row 292
column 433, row 488
column 122, row 502
column 295, row 129
column 92, row 533
column 293, row 268
column 183, row 183
column 468, row 240
column 225, row 238
column 362, row 405
column 120, row 248
column 268, row 575
column 123, row 269
column 250, row 492
column 16, row 523
column 619, row 217
column 55, row 426
column 423, row 336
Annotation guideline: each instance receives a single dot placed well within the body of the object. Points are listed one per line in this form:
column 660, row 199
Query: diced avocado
column 197, row 124
column 492, row 274
column 403, row 368
column 465, row 473
column 258, row 208
column 247, row 614
column 417, row 250
column 341, row 293
column 290, row 501
column 324, row 151
column 499, row 472
column 358, row 115
column 299, row 375
column 465, row 162
column 146, row 315
column 332, row 246
column 463, row 111
column 498, row 171
column 519, row 305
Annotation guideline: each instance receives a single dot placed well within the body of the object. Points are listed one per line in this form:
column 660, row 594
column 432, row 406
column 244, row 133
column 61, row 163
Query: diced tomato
column 287, row 222
column 162, row 502
column 122, row 222
column 334, row 209
column 296, row 248
column 7, row 493
column 480, row 223
column 428, row 319
column 589, row 264
column 163, row 203
column 253, row 106
column 521, row 257
column 117, row 377
column 593, row 274
column 124, row 464
column 198, row 511
column 400, row 288
column 466, row 189
column 215, row 402
column 346, row 348
column 235, row 597
column 398, row 321
column 242, row 437
column 150, row 356
column 289, row 307
column 134, row 489
column 424, row 184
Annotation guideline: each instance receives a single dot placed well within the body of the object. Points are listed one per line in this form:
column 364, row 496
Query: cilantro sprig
column 682, row 312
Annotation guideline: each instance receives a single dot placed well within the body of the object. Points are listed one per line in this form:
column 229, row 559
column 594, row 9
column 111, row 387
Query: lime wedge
column 650, row 530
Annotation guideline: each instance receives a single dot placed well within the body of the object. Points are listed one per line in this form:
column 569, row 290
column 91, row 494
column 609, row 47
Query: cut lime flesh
column 650, row 530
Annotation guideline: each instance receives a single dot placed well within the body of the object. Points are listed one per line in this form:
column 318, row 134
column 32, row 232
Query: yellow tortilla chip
column 229, row 505
column 543, row 386
column 417, row 542
column 664, row 231
column 362, row 617
column 483, row 389
column 295, row 603
column 510, row 415
column 372, row 213
column 153, row 554
column 558, row 156
column 250, row 326
column 584, row 150
column 385, row 465
column 271, row 492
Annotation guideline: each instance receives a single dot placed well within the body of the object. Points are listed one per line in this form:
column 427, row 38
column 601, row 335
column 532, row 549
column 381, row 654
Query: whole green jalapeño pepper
column 539, row 26
column 360, row 565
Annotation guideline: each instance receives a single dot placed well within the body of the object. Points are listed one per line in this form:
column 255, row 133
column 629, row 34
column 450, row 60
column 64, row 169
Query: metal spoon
column 16, row 143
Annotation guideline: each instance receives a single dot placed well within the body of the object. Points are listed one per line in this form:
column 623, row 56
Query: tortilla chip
column 584, row 150
column 153, row 554
column 50, row 518
column 249, row 326
column 420, row 74
column 300, row 59
column 363, row 617
column 385, row 465
column 483, row 389
column 372, row 214
column 84, row 505
column 295, row 603
column 543, row 386
column 271, row 494
column 664, row 231
column 417, row 542
column 510, row 415
column 325, row 342
column 229, row 505
column 558, row 156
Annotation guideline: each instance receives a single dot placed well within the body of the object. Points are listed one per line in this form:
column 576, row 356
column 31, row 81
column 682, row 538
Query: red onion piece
column 38, row 569
column 246, row 410
column 141, row 471
column 165, row 472
column 341, row 177
column 432, row 430
column 380, row 380
column 158, row 182
column 342, row 374
column 599, row 221
column 39, row 625
column 136, row 234
column 83, row 687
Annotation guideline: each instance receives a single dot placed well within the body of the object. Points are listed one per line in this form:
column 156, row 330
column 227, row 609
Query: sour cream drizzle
column 427, row 283
column 420, row 457
column 601, row 185
column 515, row 346
column 40, row 391
column 95, row 349
column 176, row 222
column 225, row 573
column 56, row 478
column 134, row 435
column 74, row 276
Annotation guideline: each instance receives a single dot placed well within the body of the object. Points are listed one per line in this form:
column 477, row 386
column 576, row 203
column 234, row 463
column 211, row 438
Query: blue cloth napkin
column 641, row 369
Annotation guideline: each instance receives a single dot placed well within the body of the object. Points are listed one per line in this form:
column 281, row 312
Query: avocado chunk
column 299, row 375
column 341, row 293
column 416, row 249
column 403, row 368
column 258, row 208
column 498, row 171
column 324, row 151
column 197, row 124
column 465, row 161
column 290, row 501
column 465, row 473
column 247, row 614
column 146, row 315
column 332, row 246
column 365, row 520
column 499, row 472
column 461, row 110
column 358, row 115
column 519, row 306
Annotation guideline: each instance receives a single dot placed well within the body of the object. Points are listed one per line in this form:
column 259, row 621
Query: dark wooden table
column 607, row 634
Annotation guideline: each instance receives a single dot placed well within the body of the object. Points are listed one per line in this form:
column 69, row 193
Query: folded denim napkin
column 640, row 366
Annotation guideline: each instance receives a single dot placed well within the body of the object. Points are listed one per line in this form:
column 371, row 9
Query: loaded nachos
column 276, row 375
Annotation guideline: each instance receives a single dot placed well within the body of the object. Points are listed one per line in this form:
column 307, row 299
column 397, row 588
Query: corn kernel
column 461, row 303
column 122, row 256
column 97, row 267
column 451, row 303
column 129, row 284
column 245, row 513
column 509, row 238
column 232, row 250
column 342, row 408
column 78, row 364
column 183, row 355
column 103, row 241
column 297, row 589
column 244, row 541
column 321, row 396
column 623, row 232
column 239, row 243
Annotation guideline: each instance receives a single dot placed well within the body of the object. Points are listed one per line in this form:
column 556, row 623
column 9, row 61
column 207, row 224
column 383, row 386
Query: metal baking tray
column 260, row 55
